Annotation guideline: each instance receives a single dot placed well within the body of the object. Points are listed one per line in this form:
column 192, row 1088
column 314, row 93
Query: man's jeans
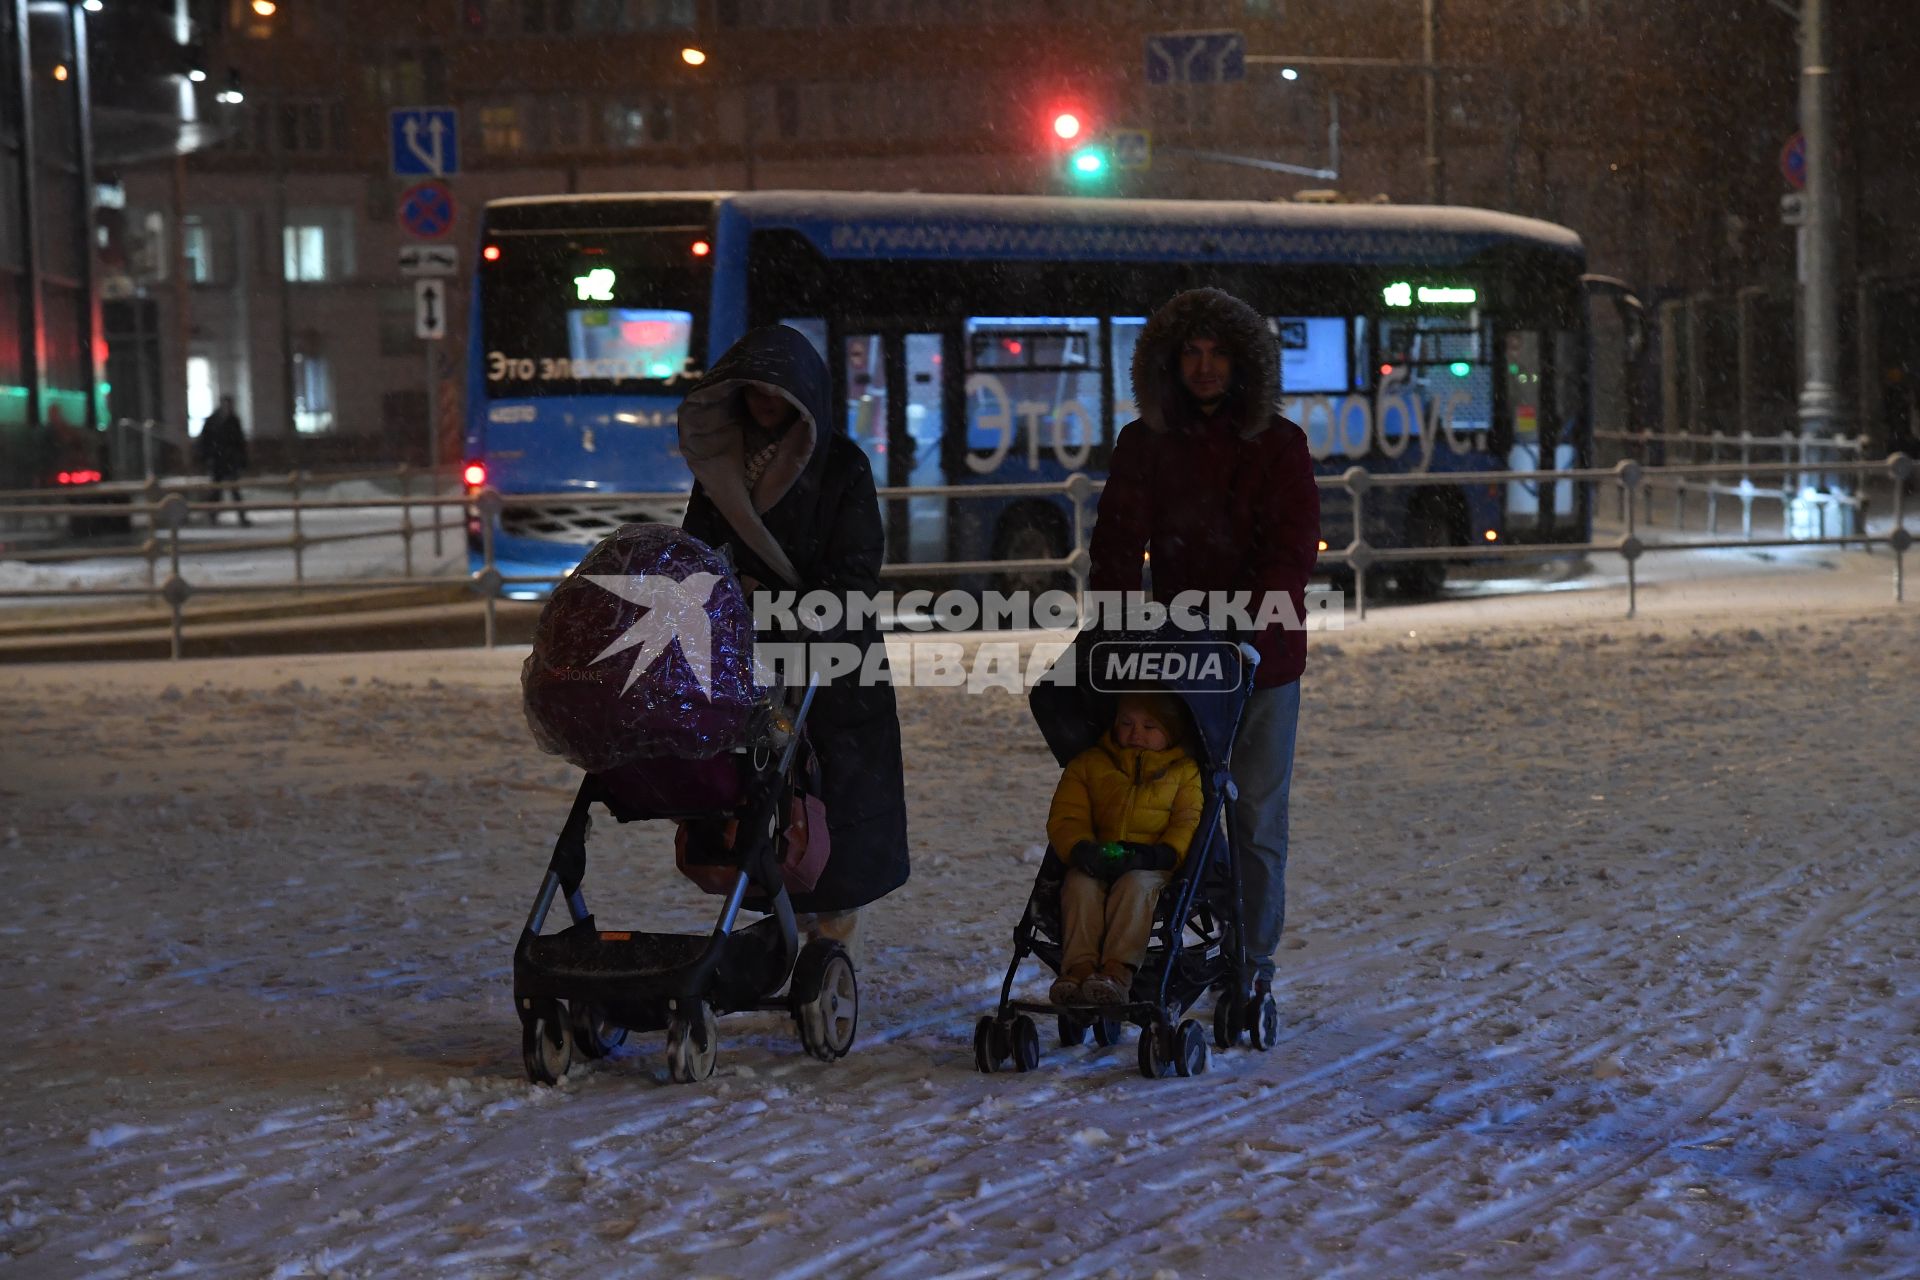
column 1263, row 770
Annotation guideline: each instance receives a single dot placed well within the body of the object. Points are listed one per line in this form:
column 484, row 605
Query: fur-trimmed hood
column 1242, row 333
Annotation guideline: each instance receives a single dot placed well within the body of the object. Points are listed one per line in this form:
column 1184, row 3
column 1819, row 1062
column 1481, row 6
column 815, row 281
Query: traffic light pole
column 1820, row 408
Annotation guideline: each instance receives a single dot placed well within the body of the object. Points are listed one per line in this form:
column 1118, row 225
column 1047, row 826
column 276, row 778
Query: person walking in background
column 222, row 450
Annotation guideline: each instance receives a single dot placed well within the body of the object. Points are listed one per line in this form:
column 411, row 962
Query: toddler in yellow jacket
column 1122, row 818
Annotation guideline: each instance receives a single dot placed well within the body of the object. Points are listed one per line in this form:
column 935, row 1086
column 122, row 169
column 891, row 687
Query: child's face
column 1138, row 730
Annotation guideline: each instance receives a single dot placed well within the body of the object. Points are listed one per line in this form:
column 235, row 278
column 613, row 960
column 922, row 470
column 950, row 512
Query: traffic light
column 1090, row 163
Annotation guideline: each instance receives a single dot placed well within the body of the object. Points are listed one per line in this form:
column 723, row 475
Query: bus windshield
column 565, row 313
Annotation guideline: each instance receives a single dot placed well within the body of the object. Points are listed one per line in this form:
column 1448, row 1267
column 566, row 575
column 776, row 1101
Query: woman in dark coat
column 793, row 501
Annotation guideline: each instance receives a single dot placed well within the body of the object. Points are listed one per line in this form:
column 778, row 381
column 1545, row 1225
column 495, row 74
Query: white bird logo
column 675, row 611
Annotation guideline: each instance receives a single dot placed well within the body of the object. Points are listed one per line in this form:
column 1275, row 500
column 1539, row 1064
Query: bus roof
column 876, row 225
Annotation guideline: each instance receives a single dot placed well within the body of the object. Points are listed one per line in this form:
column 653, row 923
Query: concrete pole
column 1820, row 406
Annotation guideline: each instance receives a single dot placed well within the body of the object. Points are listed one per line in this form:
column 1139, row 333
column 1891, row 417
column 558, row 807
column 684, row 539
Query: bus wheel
column 1032, row 535
column 1427, row 526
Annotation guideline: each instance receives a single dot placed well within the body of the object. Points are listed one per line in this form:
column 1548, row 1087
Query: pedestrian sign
column 430, row 309
column 1132, row 149
column 426, row 210
column 426, row 142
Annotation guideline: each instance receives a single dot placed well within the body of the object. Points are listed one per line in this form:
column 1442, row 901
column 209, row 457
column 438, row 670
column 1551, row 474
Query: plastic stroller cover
column 645, row 650
column 1073, row 704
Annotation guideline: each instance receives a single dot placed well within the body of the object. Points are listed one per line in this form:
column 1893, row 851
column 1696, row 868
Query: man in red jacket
column 1218, row 488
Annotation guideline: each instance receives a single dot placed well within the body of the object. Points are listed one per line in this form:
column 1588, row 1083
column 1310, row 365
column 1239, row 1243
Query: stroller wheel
column 1025, row 1038
column 990, row 1048
column 1156, row 1051
column 693, row 1042
column 1226, row 1022
column 593, row 1035
column 546, row 1042
column 1265, row 1032
column 1108, row 1031
column 825, row 999
column 1190, row 1054
column 1073, row 1031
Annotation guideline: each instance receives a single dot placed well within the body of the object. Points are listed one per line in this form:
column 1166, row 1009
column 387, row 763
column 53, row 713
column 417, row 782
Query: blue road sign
column 426, row 142
column 426, row 210
column 1132, row 148
column 1196, row 57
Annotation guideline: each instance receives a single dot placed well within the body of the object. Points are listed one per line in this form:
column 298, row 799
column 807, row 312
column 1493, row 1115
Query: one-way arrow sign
column 430, row 309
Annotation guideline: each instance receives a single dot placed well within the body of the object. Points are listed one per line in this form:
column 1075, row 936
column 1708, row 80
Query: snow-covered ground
column 1600, row 961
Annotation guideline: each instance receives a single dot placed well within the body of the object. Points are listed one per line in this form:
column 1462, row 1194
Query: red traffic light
column 1067, row 125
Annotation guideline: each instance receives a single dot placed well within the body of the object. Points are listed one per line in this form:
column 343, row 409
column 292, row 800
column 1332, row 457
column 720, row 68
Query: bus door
column 1545, row 405
column 895, row 388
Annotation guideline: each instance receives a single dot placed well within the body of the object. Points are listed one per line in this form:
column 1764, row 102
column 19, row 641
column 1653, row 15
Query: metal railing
column 1804, row 491
column 168, row 514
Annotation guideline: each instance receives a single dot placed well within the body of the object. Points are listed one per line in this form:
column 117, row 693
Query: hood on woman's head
column 712, row 421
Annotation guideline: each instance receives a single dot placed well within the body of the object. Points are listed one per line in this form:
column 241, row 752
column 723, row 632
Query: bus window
column 1126, row 336
column 865, row 368
column 815, row 330
column 1033, row 392
column 647, row 344
column 1315, row 356
column 616, row 312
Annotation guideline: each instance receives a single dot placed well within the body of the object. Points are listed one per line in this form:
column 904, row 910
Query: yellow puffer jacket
column 1111, row 792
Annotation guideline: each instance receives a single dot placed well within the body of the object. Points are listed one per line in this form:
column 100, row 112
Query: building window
column 203, row 391
column 312, row 128
column 312, row 394
column 396, row 323
column 786, row 110
column 637, row 122
column 315, row 246
column 196, row 246
column 501, row 128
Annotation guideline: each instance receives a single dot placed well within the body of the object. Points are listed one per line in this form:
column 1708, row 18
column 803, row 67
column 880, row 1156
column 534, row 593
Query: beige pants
column 1107, row 925
column 842, row 927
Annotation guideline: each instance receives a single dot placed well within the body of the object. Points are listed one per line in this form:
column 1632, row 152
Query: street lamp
column 693, row 57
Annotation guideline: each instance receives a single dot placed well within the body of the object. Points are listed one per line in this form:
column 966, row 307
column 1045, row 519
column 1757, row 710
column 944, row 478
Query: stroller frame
column 1169, row 1043
column 581, row 990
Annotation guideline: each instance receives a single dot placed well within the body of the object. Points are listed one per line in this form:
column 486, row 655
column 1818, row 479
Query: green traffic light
column 1089, row 162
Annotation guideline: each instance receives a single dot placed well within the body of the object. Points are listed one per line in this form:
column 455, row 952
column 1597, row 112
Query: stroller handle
column 1251, row 654
column 799, row 722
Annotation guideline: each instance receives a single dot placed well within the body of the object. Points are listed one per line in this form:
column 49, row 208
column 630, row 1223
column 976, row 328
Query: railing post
column 173, row 512
column 1630, row 544
column 406, row 519
column 150, row 549
column 1900, row 467
column 1746, row 487
column 488, row 503
column 433, row 491
column 299, row 534
column 1079, row 488
column 1359, row 554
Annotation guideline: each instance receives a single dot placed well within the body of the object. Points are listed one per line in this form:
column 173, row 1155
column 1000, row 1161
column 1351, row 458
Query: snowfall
column 1600, row 960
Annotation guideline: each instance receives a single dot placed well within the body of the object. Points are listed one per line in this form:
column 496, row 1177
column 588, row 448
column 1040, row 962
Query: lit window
column 501, row 128
column 312, row 394
column 306, row 252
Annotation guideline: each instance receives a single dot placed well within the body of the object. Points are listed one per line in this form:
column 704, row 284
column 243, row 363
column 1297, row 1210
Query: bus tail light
column 78, row 477
column 701, row 248
column 475, row 474
column 491, row 253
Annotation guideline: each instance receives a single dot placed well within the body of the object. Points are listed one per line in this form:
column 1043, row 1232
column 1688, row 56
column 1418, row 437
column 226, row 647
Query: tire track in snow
column 1487, row 1224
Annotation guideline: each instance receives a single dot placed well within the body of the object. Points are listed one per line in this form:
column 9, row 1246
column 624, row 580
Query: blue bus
column 987, row 339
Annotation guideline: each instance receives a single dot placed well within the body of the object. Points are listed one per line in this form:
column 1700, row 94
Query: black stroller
column 1198, row 943
column 582, row 989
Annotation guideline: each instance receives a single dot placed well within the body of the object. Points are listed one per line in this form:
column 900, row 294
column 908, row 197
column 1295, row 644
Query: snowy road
column 1600, row 961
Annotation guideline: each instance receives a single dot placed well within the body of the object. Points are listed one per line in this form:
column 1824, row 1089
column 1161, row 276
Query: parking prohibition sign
column 426, row 210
